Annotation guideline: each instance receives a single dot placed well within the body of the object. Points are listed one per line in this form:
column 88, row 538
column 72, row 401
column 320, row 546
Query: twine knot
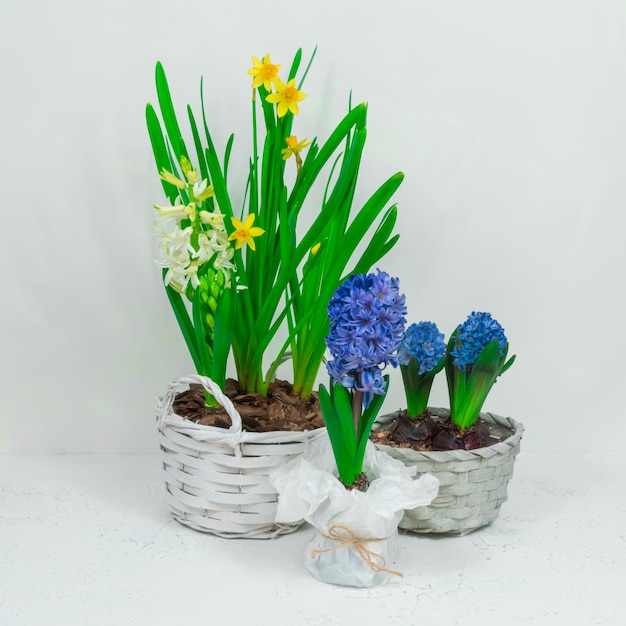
column 346, row 538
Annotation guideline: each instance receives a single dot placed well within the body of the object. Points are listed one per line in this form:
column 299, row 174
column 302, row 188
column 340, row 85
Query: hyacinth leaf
column 368, row 418
column 342, row 401
column 168, row 114
column 222, row 336
column 200, row 331
column 342, row 455
column 159, row 149
column 204, row 170
column 215, row 169
column 480, row 381
column 451, row 369
column 508, row 364
column 184, row 323
column 365, row 427
column 417, row 386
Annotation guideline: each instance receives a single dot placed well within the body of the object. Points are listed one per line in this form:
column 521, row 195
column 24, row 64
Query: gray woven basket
column 472, row 483
column 217, row 479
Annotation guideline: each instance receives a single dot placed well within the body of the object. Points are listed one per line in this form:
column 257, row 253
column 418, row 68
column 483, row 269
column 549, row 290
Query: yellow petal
column 249, row 221
column 255, row 231
column 251, row 243
column 237, row 224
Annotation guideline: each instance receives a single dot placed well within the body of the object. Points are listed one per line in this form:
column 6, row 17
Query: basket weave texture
column 217, row 479
column 472, row 483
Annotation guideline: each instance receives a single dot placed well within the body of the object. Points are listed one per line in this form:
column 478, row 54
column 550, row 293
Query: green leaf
column 200, row 329
column 159, row 149
column 378, row 245
column 184, row 323
column 355, row 118
column 168, row 114
column 480, row 381
column 417, row 386
column 222, row 336
column 508, row 364
column 204, row 171
column 229, row 147
column 343, row 457
column 342, row 400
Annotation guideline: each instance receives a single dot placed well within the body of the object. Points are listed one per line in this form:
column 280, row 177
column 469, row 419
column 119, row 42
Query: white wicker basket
column 472, row 483
column 217, row 478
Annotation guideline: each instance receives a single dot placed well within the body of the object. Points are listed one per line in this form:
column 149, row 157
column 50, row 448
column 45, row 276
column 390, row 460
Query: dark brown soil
column 427, row 433
column 361, row 483
column 279, row 410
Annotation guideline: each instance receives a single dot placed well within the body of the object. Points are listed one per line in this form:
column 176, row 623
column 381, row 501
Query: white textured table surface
column 88, row 540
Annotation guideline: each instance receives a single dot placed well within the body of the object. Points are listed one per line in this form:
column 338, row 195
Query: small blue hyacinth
column 424, row 343
column 478, row 330
column 367, row 322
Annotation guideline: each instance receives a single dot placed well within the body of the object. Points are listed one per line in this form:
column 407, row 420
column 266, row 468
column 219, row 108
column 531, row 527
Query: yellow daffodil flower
column 244, row 232
column 286, row 97
column 265, row 72
column 294, row 146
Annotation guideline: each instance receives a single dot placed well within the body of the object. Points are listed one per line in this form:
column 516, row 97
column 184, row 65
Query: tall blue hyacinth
column 478, row 330
column 367, row 323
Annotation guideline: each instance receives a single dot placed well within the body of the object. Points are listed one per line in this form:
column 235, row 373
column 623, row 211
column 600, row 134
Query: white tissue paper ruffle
column 357, row 531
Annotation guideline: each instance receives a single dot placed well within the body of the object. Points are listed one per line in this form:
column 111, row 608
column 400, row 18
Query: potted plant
column 356, row 500
column 250, row 281
column 471, row 452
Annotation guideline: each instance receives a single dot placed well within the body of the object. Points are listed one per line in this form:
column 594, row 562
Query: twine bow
column 346, row 538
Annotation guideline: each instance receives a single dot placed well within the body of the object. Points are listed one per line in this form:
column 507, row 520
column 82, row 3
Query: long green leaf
column 159, row 149
column 222, row 336
column 200, row 330
column 204, row 170
column 184, row 323
column 168, row 114
column 343, row 457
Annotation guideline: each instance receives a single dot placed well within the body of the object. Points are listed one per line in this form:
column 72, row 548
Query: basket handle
column 170, row 395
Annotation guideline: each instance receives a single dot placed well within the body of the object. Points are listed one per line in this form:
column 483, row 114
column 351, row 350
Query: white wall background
column 508, row 119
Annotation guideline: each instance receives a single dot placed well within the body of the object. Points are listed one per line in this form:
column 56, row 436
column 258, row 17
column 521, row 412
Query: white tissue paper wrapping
column 308, row 489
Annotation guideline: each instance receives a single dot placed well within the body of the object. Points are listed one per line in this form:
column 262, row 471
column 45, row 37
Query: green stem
column 357, row 403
